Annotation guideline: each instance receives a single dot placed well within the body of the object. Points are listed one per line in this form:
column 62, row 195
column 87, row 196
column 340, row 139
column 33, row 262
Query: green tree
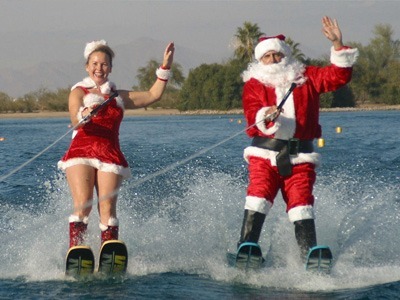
column 233, row 84
column 194, row 93
column 245, row 40
column 49, row 100
column 376, row 74
column 213, row 86
column 146, row 76
column 5, row 102
column 343, row 97
column 296, row 52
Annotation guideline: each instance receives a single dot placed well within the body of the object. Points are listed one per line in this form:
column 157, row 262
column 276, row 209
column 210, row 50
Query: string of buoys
column 321, row 141
column 239, row 121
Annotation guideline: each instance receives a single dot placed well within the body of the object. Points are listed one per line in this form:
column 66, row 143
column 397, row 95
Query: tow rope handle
column 97, row 109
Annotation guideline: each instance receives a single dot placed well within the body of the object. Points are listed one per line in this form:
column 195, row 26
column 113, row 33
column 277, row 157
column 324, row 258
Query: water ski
column 79, row 261
column 319, row 259
column 249, row 256
column 113, row 258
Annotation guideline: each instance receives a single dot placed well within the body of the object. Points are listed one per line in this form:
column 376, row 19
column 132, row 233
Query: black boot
column 305, row 235
column 251, row 228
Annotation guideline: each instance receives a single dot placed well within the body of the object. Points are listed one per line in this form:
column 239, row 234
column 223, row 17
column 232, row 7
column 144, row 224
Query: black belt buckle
column 294, row 146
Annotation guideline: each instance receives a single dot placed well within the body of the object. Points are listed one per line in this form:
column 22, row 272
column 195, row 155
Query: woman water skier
column 94, row 159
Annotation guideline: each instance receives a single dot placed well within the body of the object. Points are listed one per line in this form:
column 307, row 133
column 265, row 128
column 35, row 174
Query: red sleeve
column 329, row 78
column 255, row 97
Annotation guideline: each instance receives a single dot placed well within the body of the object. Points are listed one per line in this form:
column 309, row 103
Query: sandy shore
column 164, row 112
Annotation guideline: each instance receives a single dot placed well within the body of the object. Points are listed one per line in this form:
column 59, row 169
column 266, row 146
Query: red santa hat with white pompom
column 269, row 43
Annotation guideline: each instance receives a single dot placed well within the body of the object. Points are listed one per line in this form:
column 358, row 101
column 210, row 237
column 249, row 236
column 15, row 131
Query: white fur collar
column 88, row 83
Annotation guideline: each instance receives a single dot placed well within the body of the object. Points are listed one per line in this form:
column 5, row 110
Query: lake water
column 182, row 210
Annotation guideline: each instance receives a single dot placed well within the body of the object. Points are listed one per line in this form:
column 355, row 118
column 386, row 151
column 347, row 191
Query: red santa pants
column 265, row 182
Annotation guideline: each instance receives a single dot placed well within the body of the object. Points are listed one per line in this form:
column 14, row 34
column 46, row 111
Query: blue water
column 179, row 224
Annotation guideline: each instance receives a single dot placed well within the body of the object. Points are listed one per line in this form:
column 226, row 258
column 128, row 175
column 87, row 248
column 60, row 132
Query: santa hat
column 92, row 46
column 276, row 43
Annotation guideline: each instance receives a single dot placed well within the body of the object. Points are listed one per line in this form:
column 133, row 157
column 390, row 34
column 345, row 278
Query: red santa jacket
column 300, row 116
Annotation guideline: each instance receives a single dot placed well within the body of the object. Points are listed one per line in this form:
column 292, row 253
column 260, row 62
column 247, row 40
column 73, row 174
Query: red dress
column 97, row 142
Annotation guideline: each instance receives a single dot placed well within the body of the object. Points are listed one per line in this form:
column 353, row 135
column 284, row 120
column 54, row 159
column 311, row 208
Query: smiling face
column 98, row 67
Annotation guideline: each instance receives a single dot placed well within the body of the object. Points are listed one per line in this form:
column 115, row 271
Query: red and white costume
column 97, row 142
column 299, row 119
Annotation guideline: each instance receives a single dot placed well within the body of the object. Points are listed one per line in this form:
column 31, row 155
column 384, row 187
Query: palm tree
column 146, row 75
column 245, row 40
column 296, row 52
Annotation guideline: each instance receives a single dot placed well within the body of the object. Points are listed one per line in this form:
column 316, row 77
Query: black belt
column 285, row 148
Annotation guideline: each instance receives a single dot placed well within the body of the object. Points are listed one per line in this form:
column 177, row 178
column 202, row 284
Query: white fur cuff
column 75, row 218
column 298, row 213
column 80, row 117
column 163, row 74
column 257, row 204
column 111, row 222
column 260, row 122
column 344, row 58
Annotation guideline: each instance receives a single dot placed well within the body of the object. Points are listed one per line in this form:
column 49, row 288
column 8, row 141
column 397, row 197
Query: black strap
column 283, row 162
column 285, row 149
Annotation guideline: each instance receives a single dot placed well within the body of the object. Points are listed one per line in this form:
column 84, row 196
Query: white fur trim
column 282, row 74
column 111, row 222
column 287, row 117
column 301, row 158
column 344, row 58
column 103, row 227
column 260, row 152
column 92, row 46
column 75, row 218
column 298, row 213
column 95, row 163
column 270, row 44
column 88, row 83
column 260, row 122
column 313, row 158
column 91, row 99
column 163, row 74
column 260, row 205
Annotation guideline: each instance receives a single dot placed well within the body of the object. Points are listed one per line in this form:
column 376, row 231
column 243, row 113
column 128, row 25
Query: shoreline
column 176, row 112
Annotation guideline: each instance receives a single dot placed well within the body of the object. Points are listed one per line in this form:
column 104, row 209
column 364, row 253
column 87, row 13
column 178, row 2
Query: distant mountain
column 128, row 59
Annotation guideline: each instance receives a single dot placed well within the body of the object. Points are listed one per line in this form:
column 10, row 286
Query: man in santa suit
column 281, row 156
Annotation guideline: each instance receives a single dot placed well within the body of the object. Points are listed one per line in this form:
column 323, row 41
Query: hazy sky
column 35, row 31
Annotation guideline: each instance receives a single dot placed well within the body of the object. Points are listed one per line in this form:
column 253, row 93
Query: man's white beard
column 282, row 74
